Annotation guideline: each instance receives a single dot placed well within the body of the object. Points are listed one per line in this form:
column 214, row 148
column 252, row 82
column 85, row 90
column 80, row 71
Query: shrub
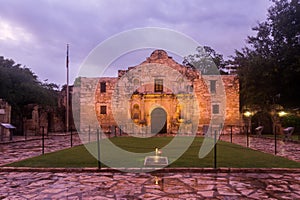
column 291, row 120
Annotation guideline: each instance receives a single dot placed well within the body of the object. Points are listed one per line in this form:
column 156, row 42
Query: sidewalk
column 106, row 185
column 20, row 149
column 286, row 149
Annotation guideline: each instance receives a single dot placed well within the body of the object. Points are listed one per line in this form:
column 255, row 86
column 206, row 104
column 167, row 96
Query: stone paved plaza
column 35, row 184
column 286, row 149
column 48, row 185
column 20, row 149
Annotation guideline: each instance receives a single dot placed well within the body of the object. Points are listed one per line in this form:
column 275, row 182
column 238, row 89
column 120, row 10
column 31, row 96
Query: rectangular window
column 103, row 87
column 102, row 109
column 213, row 86
column 215, row 109
column 158, row 85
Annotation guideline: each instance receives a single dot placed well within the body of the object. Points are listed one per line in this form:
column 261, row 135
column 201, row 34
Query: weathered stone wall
column 5, row 117
column 5, row 111
column 105, row 99
column 36, row 120
column 232, row 92
column 86, row 102
column 131, row 97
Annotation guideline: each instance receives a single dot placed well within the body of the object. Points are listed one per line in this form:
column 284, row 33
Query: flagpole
column 67, row 103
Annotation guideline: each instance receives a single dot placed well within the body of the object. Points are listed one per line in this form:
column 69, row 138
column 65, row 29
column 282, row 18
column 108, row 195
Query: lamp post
column 280, row 114
column 248, row 115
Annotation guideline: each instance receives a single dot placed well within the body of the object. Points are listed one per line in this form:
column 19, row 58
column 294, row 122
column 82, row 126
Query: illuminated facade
column 159, row 96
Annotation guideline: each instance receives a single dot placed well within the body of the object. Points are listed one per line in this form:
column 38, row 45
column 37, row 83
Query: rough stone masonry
column 157, row 96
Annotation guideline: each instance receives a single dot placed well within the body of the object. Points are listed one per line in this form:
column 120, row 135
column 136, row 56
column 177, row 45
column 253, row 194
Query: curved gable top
column 161, row 57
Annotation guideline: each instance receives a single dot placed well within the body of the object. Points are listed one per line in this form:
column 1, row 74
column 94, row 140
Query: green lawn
column 228, row 155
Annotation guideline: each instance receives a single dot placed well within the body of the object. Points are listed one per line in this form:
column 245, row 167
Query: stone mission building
column 158, row 96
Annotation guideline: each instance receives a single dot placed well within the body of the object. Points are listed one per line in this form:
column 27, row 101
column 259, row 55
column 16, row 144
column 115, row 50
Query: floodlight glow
column 247, row 114
column 282, row 113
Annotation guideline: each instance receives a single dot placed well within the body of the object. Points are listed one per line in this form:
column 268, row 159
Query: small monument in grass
column 156, row 160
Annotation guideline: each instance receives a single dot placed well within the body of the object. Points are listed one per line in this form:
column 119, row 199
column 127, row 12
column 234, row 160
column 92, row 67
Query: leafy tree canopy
column 269, row 67
column 207, row 60
column 19, row 86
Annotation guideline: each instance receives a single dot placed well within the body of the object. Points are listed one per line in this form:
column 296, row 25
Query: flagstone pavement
column 288, row 149
column 48, row 185
column 20, row 149
column 156, row 185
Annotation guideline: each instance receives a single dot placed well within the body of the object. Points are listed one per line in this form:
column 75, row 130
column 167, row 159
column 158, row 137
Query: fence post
column 247, row 132
column 89, row 133
column 25, row 131
column 215, row 149
column 275, row 138
column 10, row 134
column 71, row 137
column 43, row 141
column 231, row 133
column 98, row 148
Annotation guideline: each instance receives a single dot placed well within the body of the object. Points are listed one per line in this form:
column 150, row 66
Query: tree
column 269, row 68
column 207, row 60
column 19, row 86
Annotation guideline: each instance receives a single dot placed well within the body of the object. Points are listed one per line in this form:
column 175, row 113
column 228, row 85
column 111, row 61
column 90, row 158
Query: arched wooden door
column 158, row 121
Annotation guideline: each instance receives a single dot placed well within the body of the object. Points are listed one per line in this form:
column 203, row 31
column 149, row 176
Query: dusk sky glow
column 35, row 33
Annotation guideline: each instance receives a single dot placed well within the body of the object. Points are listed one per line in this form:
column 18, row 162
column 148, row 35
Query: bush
column 291, row 120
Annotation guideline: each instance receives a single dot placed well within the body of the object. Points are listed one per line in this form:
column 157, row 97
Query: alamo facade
column 157, row 96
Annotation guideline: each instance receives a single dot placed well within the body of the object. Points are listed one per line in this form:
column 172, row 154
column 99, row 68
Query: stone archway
column 158, row 121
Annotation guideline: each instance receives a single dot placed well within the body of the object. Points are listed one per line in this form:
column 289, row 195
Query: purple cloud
column 35, row 33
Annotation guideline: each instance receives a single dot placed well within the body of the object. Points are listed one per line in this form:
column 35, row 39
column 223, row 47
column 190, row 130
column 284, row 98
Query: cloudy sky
column 35, row 33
